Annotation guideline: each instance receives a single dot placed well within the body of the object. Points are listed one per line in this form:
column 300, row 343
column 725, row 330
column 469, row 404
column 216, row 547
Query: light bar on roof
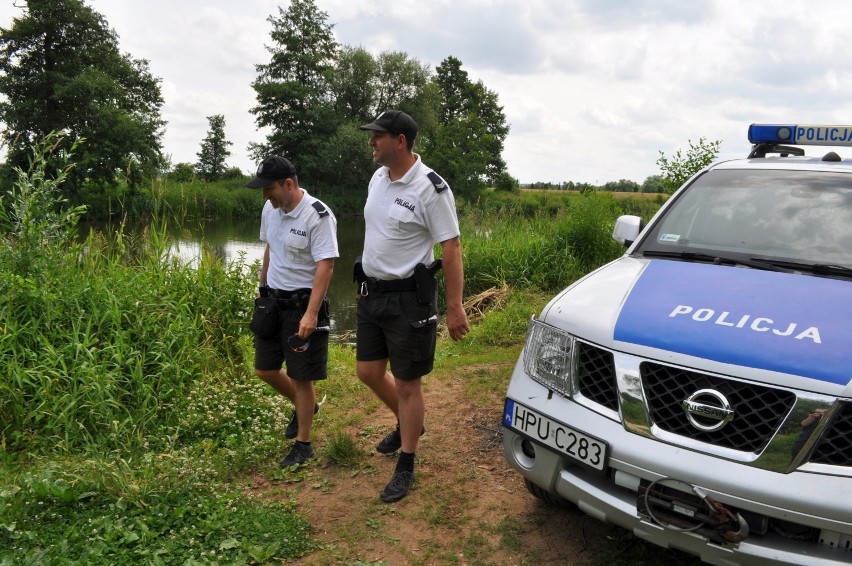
column 802, row 134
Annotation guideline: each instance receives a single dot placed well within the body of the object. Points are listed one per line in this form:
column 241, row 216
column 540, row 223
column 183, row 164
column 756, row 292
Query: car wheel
column 546, row 496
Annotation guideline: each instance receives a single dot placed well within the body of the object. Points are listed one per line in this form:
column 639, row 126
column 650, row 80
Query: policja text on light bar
column 802, row 134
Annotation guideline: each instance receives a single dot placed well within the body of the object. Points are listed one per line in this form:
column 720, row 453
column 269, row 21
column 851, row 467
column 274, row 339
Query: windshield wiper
column 816, row 268
column 720, row 260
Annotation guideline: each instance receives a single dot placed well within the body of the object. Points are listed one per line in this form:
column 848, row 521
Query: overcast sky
column 592, row 90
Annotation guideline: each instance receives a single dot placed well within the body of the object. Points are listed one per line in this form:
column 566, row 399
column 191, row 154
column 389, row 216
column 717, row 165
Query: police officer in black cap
column 409, row 209
column 301, row 245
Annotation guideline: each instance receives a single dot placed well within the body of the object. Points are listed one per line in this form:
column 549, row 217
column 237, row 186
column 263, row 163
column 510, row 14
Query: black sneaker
column 292, row 430
column 393, row 441
column 299, row 454
column 397, row 487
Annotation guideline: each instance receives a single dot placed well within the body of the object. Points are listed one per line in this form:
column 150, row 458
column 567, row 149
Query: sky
column 592, row 90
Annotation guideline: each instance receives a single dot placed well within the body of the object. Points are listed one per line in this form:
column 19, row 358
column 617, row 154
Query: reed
column 544, row 252
column 128, row 404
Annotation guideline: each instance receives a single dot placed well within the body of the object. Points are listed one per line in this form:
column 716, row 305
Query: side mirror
column 627, row 229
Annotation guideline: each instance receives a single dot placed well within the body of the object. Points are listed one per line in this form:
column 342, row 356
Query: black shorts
column 394, row 326
column 272, row 353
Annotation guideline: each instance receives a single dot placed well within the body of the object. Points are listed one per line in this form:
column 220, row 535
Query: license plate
column 555, row 435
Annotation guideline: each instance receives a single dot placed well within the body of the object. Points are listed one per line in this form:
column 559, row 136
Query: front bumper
column 806, row 499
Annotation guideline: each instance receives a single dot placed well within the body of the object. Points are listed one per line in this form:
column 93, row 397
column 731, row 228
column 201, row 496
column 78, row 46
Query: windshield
column 799, row 216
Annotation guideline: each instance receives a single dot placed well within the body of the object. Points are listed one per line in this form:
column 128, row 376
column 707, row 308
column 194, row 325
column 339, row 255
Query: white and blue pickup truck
column 698, row 390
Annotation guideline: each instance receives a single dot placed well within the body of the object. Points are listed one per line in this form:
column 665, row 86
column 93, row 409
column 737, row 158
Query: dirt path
column 467, row 506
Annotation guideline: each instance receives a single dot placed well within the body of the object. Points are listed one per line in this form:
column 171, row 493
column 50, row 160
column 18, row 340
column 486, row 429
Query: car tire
column 547, row 497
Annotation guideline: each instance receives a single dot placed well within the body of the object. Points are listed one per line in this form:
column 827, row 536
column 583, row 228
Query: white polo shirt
column 404, row 220
column 297, row 241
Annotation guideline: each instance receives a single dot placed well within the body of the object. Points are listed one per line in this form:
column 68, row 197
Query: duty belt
column 291, row 300
column 387, row 286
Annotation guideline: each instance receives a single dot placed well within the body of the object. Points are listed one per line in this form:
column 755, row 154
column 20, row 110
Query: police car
column 698, row 390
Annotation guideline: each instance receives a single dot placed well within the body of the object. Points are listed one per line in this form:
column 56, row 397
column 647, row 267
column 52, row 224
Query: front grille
column 758, row 410
column 596, row 375
column 835, row 448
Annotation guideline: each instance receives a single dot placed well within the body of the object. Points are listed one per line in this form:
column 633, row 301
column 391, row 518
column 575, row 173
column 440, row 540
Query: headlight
column 549, row 357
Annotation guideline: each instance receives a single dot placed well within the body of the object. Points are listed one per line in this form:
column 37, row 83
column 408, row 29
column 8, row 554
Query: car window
column 795, row 215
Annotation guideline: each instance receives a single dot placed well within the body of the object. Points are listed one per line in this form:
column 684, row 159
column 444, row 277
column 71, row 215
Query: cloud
column 593, row 90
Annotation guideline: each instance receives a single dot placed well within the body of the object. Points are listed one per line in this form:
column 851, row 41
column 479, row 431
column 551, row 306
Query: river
column 229, row 239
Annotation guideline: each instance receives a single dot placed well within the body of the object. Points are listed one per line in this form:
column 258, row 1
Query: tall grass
column 91, row 344
column 545, row 252
column 128, row 405
column 230, row 199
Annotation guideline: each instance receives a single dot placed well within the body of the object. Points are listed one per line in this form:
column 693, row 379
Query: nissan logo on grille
column 708, row 410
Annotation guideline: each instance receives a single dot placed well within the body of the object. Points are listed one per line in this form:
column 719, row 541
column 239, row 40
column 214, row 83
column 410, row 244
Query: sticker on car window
column 673, row 238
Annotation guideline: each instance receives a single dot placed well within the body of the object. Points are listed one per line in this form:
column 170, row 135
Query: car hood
column 782, row 328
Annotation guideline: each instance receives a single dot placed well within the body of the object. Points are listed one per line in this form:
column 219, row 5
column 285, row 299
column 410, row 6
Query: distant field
column 649, row 196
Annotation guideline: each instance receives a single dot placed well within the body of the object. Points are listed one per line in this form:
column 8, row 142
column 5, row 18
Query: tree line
column 62, row 70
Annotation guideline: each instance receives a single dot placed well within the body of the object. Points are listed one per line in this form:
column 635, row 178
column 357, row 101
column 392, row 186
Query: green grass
column 129, row 412
column 59, row 518
column 342, row 450
column 545, row 252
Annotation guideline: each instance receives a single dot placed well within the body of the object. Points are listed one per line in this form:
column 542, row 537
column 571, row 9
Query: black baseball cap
column 273, row 168
column 395, row 122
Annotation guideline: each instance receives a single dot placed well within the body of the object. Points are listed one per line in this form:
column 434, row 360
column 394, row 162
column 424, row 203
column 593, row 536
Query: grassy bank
column 225, row 199
column 129, row 412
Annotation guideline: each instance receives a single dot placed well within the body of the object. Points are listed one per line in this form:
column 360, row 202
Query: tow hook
column 673, row 510
column 725, row 517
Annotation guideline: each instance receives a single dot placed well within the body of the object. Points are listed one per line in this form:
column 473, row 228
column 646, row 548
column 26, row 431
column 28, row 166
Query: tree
column 653, row 184
column 400, row 85
column 182, row 173
column 622, row 186
column 677, row 170
column 61, row 70
column 361, row 87
column 467, row 145
column 214, row 150
column 353, row 84
column 293, row 89
column 505, row 182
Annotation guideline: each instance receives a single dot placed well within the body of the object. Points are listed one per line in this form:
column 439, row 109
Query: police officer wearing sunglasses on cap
column 409, row 210
column 301, row 245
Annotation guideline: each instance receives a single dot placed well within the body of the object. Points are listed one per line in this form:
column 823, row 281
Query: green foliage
column 507, row 183
column 622, row 186
column 349, row 165
column 36, row 220
column 342, row 450
column 67, row 516
column 234, row 174
column 292, row 89
column 679, row 168
column 125, row 403
column 540, row 253
column 196, row 199
column 85, row 327
column 353, row 84
column 61, row 70
column 214, row 150
column 314, row 94
column 401, row 84
column 467, row 144
column 653, row 184
column 182, row 173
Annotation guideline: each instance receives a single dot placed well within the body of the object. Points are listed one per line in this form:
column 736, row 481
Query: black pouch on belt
column 265, row 322
column 426, row 282
column 359, row 277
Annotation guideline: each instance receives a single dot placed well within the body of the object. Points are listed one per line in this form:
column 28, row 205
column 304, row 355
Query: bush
column 507, row 183
column 545, row 252
column 233, row 174
column 182, row 173
column 101, row 347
